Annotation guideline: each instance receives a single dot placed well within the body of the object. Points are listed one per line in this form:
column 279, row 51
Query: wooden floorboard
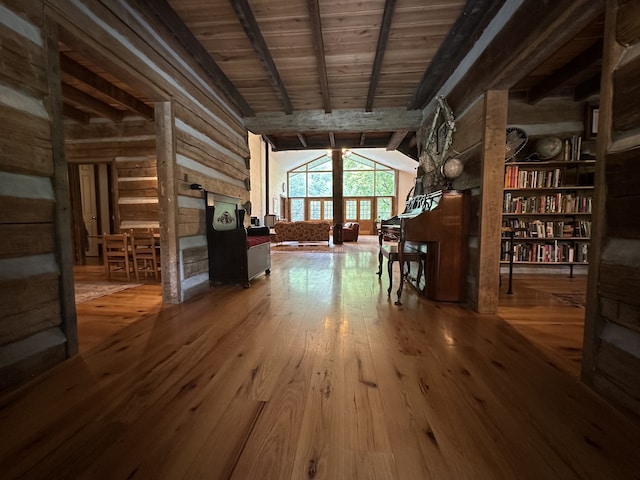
column 313, row 373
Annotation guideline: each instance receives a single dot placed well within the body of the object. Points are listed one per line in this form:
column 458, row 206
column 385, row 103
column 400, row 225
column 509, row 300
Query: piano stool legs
column 391, row 253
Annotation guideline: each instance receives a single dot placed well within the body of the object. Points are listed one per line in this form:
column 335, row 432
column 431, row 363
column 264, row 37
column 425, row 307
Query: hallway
column 313, row 373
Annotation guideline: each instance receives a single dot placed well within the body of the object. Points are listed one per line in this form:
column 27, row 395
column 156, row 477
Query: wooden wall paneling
column 100, row 128
column 78, row 227
column 551, row 116
column 202, row 153
column 167, row 195
column 29, row 305
column 105, row 151
column 622, row 176
column 23, row 240
column 594, row 323
column 626, row 96
column 621, row 282
column 469, row 127
column 234, row 141
column 628, row 28
column 139, row 187
column 195, row 261
column 25, row 142
column 617, row 377
column 192, row 222
column 137, row 211
column 146, row 167
column 64, row 243
column 494, row 137
column 611, row 358
column 221, row 185
column 27, row 76
column 27, row 210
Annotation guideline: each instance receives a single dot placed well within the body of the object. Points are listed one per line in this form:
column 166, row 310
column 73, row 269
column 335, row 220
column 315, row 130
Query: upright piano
column 436, row 225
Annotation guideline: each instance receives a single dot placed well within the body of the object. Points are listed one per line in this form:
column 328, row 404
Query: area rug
column 86, row 291
column 574, row 299
column 307, row 248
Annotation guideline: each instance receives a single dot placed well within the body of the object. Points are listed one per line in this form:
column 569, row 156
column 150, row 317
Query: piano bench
column 392, row 255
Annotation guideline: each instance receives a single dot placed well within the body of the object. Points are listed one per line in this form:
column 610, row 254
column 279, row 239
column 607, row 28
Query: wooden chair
column 116, row 252
column 145, row 256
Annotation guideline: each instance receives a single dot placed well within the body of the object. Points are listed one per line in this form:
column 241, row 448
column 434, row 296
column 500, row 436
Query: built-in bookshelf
column 547, row 211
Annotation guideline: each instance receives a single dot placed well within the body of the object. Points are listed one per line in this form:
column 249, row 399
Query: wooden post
column 168, row 202
column 338, row 199
column 496, row 104
column 64, row 242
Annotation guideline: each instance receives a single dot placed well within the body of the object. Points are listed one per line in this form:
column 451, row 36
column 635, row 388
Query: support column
column 496, row 105
column 338, row 199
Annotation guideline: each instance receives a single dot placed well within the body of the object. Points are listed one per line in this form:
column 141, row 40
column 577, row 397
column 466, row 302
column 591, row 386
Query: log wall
column 199, row 139
column 611, row 359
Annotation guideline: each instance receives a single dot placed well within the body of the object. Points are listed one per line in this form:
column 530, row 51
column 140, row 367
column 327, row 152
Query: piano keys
column 435, row 225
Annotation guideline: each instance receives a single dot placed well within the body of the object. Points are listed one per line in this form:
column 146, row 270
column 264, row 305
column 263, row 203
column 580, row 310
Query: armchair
column 350, row 232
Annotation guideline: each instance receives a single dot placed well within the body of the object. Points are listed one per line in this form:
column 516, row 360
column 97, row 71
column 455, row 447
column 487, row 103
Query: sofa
column 303, row 231
column 350, row 231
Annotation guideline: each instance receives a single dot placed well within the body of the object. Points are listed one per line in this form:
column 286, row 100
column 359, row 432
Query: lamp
column 195, row 186
column 451, row 169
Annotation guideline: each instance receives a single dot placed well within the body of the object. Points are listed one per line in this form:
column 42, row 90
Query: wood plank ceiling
column 317, row 74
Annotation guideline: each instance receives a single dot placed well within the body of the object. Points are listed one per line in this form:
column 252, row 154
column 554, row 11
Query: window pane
column 384, row 208
column 357, row 163
column 323, row 164
column 358, row 184
column 320, row 184
column 297, row 184
column 385, row 183
column 365, row 210
column 297, row 209
column 351, row 210
column 328, row 209
column 314, row 209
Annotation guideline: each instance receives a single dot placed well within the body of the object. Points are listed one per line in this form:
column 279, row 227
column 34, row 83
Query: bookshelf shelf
column 547, row 207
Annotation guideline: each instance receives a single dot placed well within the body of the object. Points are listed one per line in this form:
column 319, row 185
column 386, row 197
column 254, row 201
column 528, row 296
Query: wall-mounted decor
column 438, row 137
column 591, row 121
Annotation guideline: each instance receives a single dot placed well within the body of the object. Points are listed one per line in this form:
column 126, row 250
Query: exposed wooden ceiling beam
column 396, row 139
column 363, row 137
column 522, row 45
column 252, row 30
column 303, row 140
column 318, row 45
column 165, row 14
column 383, row 120
column 463, row 35
column 332, row 140
column 80, row 99
column 271, row 141
column 74, row 114
column 587, row 89
column 570, row 70
column 383, row 37
column 86, row 76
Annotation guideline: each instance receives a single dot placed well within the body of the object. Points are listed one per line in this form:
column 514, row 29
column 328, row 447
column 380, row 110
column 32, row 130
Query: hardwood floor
column 539, row 310
column 314, row 373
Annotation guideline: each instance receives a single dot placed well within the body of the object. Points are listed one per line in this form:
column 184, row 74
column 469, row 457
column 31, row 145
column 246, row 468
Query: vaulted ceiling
column 308, row 74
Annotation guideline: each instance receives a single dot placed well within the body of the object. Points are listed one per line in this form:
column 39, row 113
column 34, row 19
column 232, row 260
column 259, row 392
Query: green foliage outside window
column 362, row 178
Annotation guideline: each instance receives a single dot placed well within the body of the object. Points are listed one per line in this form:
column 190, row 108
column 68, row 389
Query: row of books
column 549, row 229
column 572, row 148
column 514, row 177
column 555, row 203
column 551, row 252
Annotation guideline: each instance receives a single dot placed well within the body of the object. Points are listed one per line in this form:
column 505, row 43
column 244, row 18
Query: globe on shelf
column 451, row 169
column 548, row 147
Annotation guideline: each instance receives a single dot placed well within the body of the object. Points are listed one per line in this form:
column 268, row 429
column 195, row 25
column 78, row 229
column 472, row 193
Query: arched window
column 369, row 190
